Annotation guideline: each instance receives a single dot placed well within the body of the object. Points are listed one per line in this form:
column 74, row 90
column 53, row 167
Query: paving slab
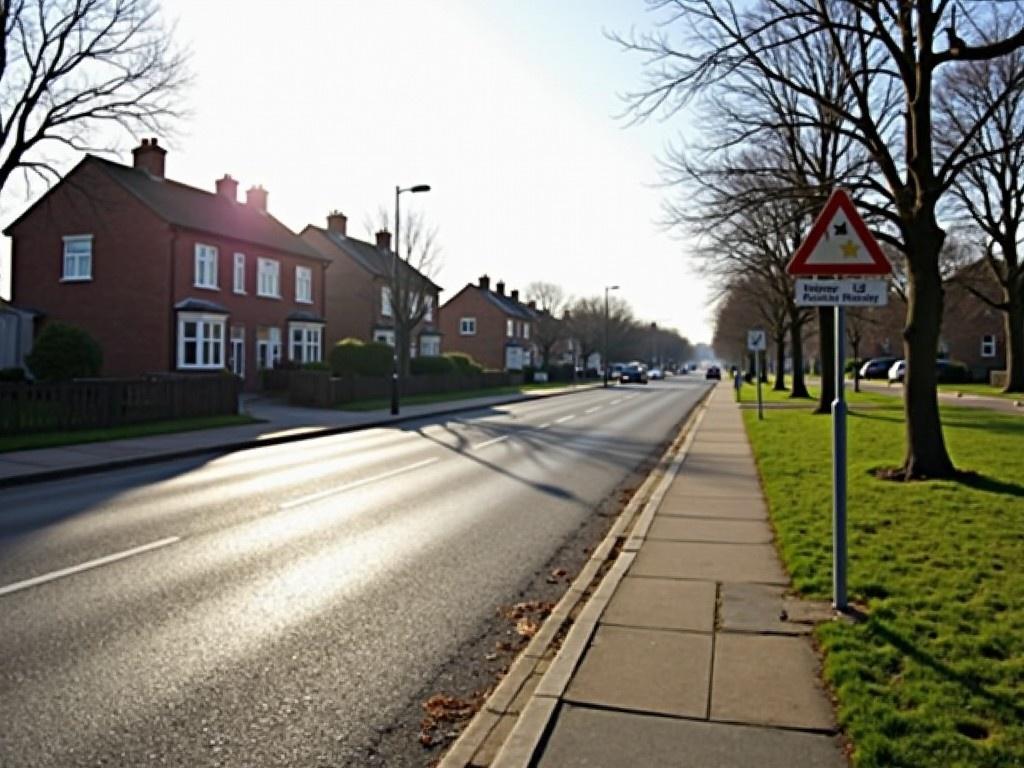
column 680, row 501
column 714, row 485
column 601, row 739
column 709, row 561
column 663, row 604
column 756, row 608
column 769, row 680
column 711, row 451
column 646, row 670
column 707, row 529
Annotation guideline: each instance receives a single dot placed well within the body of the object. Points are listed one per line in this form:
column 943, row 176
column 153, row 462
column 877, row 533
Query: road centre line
column 545, row 425
column 565, row 418
column 358, row 483
column 486, row 443
column 105, row 560
column 616, row 401
column 595, row 408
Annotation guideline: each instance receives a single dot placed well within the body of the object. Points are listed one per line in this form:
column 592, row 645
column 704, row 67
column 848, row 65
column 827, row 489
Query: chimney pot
column 256, row 197
column 384, row 240
column 228, row 187
column 485, row 282
column 337, row 222
column 515, row 295
column 149, row 157
column 500, row 287
column 531, row 304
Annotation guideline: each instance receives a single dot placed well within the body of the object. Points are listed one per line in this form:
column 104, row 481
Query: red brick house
column 167, row 277
column 493, row 327
column 358, row 292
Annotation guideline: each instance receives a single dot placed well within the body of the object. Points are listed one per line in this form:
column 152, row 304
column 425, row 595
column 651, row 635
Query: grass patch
column 444, row 397
column 980, row 389
column 55, row 439
column 935, row 676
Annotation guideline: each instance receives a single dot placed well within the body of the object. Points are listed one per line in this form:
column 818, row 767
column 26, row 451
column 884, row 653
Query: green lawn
column 444, row 397
column 935, row 676
column 55, row 439
column 980, row 389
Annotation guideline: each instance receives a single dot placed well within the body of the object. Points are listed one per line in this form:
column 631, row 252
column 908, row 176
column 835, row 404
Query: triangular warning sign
column 839, row 243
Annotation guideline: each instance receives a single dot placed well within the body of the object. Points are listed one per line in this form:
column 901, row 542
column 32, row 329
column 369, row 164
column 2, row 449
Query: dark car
column 714, row 372
column 877, row 368
column 634, row 372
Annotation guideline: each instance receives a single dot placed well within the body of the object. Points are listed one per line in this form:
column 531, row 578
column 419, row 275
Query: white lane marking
column 545, row 425
column 53, row 575
column 616, row 401
column 358, row 483
column 595, row 408
column 485, row 443
column 565, row 418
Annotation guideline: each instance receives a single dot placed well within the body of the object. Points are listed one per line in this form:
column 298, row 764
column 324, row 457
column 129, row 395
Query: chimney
column 337, row 222
column 149, row 157
column 500, row 287
column 384, row 240
column 256, row 197
column 515, row 296
column 228, row 187
column 531, row 304
column 485, row 282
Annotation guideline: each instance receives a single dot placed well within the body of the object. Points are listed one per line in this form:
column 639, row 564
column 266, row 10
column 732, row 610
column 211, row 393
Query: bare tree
column 74, row 73
column 590, row 328
column 889, row 55
column 549, row 327
column 990, row 190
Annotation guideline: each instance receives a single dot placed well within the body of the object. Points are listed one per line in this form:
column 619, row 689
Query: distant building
column 167, row 277
column 493, row 327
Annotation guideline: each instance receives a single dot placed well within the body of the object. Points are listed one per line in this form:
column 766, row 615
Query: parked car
column 877, row 368
column 897, row 372
column 655, row 373
column 634, row 372
column 713, row 372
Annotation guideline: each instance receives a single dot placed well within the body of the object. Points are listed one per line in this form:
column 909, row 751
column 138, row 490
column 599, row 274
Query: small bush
column 317, row 366
column 63, row 352
column 352, row 357
column 12, row 375
column 464, row 363
column 431, row 365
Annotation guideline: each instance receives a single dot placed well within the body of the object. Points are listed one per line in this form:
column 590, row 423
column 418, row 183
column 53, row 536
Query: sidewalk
column 689, row 653
column 279, row 423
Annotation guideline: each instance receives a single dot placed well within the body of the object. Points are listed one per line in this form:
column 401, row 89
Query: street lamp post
column 604, row 353
column 394, row 284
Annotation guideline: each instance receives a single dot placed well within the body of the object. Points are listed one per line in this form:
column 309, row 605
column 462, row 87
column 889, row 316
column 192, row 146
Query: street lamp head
column 420, row 188
column 613, row 287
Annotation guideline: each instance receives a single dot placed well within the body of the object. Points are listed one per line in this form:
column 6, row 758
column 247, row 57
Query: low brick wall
column 319, row 389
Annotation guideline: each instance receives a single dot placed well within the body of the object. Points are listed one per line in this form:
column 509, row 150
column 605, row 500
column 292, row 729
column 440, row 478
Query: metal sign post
column 839, row 468
column 757, row 372
column 757, row 342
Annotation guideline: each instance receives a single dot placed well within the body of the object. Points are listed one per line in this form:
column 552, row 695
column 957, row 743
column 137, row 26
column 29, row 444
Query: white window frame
column 467, row 326
column 988, row 345
column 271, row 346
column 72, row 270
column 526, row 330
column 428, row 308
column 430, row 345
column 239, row 274
column 510, row 328
column 384, row 337
column 268, row 278
column 237, row 347
column 205, row 266
column 303, row 285
column 209, row 341
column 386, row 309
column 308, row 348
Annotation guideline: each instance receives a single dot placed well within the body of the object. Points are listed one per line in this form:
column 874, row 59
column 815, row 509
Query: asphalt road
column 281, row 605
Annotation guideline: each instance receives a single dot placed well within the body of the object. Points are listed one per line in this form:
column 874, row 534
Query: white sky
column 505, row 107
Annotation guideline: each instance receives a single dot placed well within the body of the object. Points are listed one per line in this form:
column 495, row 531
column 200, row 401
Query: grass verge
column 56, row 439
column 935, row 674
column 444, row 397
column 980, row 389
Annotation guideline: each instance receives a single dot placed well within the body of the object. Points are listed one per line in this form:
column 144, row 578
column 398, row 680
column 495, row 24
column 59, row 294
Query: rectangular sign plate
column 842, row 293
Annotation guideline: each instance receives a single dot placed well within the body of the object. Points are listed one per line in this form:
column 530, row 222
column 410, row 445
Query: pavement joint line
column 492, row 441
column 87, row 566
column 356, row 484
column 527, row 732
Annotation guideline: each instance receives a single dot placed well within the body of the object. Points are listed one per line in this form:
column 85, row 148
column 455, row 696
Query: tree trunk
column 796, row 348
column 827, row 353
column 926, row 455
column 780, row 362
column 1013, row 322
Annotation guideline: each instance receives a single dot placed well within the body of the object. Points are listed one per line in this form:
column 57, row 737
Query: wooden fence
column 320, row 390
column 98, row 403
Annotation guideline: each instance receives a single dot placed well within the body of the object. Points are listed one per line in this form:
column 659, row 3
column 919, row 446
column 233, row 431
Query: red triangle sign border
column 838, row 200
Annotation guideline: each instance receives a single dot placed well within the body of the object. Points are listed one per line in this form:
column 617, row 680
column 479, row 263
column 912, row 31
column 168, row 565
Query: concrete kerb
column 533, row 722
column 243, row 445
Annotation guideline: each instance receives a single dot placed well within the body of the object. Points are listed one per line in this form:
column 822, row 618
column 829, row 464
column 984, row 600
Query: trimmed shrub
column 352, row 357
column 14, row 375
column 63, row 352
column 431, row 365
column 464, row 363
column 316, row 366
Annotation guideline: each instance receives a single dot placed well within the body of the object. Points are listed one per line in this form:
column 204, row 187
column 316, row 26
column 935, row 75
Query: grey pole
column 757, row 374
column 394, row 312
column 839, row 471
